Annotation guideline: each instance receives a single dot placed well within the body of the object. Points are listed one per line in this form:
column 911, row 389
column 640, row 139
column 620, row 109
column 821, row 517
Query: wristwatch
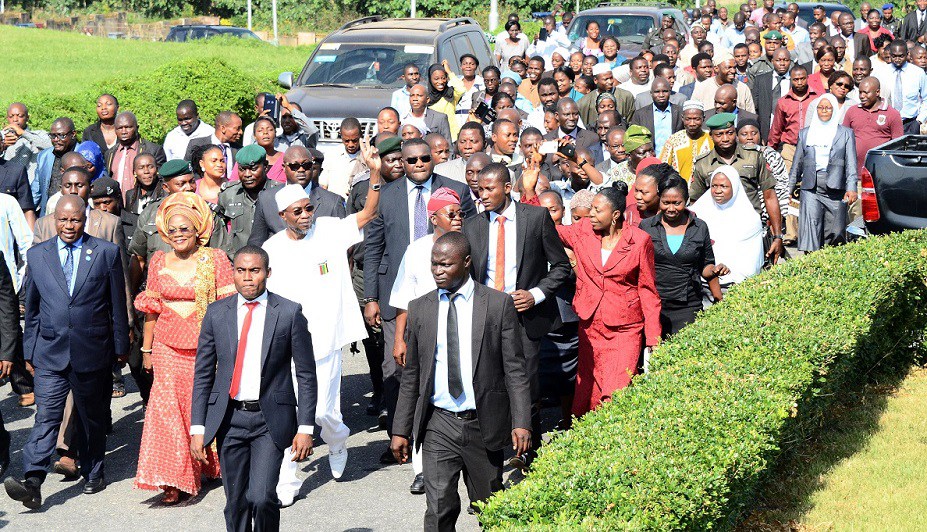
column 777, row 237
column 376, row 186
column 582, row 163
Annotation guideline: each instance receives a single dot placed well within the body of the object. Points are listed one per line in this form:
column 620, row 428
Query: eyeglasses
column 60, row 136
column 844, row 85
column 182, row 230
column 423, row 158
column 298, row 211
column 453, row 215
column 305, row 165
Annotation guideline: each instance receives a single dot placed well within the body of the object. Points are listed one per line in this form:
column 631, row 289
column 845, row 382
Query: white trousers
column 327, row 417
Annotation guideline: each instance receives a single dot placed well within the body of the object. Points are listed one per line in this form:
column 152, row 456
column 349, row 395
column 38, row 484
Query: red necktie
column 499, row 281
column 242, row 345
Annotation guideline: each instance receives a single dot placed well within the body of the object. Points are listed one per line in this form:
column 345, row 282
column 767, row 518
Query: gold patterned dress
column 180, row 301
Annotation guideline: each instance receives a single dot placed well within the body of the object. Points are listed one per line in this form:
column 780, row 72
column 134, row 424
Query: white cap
column 289, row 195
column 600, row 68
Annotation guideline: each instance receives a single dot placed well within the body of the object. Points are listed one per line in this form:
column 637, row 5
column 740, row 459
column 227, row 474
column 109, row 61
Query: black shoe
column 94, row 486
column 387, row 457
column 381, row 419
column 418, row 485
column 4, row 453
column 522, row 461
column 374, row 407
column 26, row 491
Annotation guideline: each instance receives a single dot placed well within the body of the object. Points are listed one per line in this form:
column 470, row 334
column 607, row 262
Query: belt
column 247, row 406
column 466, row 415
column 908, row 120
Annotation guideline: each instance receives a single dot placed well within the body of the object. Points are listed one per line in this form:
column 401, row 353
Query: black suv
column 354, row 71
column 192, row 32
column 628, row 21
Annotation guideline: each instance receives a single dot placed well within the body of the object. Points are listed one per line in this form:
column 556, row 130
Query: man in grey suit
column 402, row 219
column 433, row 121
column 465, row 394
column 300, row 168
column 568, row 117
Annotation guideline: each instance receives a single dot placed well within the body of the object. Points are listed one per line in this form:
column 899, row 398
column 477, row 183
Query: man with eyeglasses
column 387, row 238
column 907, row 84
column 237, row 202
column 48, row 163
column 300, row 168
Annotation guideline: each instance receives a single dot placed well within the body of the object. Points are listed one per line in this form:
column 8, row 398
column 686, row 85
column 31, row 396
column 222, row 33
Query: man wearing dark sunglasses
column 238, row 201
column 300, row 168
column 403, row 219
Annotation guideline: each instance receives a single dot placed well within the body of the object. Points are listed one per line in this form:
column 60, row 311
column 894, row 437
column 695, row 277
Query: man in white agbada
column 414, row 279
column 311, row 268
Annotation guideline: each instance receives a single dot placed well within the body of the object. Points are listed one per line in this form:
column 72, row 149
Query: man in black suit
column 71, row 346
column 660, row 91
column 465, row 394
column 568, row 117
column 914, row 26
column 858, row 41
column 768, row 87
column 402, row 219
column 227, row 136
column 243, row 393
column 516, row 250
column 10, row 337
column 299, row 167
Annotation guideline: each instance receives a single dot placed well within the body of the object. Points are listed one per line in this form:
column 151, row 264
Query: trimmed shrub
column 688, row 445
column 211, row 82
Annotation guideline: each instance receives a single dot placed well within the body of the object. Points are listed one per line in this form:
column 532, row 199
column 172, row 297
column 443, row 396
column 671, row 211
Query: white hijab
column 735, row 228
column 821, row 134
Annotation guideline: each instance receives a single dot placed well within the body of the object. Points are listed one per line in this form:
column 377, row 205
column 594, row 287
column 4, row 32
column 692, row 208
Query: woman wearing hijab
column 181, row 284
column 445, row 90
column 827, row 175
column 735, row 227
column 90, row 151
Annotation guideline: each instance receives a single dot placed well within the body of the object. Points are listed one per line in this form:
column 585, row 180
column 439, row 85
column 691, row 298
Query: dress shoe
column 418, row 485
column 26, row 491
column 381, row 419
column 67, row 467
column 521, row 461
column 95, row 485
column 337, row 460
column 387, row 457
column 374, row 407
column 27, row 399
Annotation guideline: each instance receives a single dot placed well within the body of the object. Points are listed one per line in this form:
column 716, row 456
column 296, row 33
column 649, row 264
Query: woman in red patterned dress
column 181, row 283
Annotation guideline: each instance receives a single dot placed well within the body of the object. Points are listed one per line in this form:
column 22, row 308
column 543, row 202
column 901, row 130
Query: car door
column 479, row 48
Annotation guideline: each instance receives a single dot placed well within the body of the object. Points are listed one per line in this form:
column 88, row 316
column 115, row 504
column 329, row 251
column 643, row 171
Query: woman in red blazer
column 616, row 297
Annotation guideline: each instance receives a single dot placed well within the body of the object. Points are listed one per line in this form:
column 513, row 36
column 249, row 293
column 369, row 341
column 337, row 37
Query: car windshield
column 373, row 65
column 806, row 13
column 625, row 28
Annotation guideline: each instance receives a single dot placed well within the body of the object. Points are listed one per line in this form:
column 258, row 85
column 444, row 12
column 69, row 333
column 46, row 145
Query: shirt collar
column 79, row 243
column 410, row 185
column 466, row 290
column 261, row 299
column 509, row 213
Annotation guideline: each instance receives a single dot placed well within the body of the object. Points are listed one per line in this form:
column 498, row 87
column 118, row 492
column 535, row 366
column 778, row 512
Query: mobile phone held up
column 485, row 113
column 272, row 106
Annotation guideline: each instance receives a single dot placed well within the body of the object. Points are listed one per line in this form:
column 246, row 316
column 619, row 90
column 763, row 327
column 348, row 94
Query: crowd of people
column 509, row 238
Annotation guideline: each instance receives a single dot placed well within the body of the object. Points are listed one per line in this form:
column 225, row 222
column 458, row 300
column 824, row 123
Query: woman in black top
column 682, row 254
column 103, row 131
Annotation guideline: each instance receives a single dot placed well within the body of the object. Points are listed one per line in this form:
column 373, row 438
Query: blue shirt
column 913, row 90
column 63, row 256
column 14, row 231
column 662, row 126
column 464, row 304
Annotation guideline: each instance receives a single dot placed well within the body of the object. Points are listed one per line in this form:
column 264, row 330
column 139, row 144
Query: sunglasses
column 182, row 230
column 423, row 158
column 298, row 211
column 453, row 215
column 305, row 165
column 844, row 85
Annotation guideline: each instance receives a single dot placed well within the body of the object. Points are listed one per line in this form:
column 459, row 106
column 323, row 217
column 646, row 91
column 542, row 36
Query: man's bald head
column 72, row 158
column 71, row 203
column 660, row 84
column 296, row 151
column 126, row 117
column 870, row 83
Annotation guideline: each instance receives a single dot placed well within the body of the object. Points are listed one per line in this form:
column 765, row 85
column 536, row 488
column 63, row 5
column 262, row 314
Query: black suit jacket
column 500, row 382
column 541, row 262
column 387, row 236
column 267, row 221
column 910, row 30
column 644, row 117
column 144, row 147
column 762, row 91
column 10, row 333
column 286, row 337
column 94, row 133
column 585, row 139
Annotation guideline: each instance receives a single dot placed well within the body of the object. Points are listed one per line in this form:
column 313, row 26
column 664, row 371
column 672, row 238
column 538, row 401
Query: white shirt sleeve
column 404, row 288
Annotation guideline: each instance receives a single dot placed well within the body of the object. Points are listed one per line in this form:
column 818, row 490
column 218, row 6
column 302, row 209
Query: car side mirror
column 285, row 80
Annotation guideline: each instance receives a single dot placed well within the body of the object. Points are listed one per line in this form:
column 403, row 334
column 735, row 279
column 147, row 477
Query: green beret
column 390, row 145
column 636, row 136
column 774, row 35
column 174, row 168
column 720, row 121
column 250, row 154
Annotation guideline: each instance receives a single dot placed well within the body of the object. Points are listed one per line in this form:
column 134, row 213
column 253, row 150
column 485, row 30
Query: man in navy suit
column 243, row 393
column 76, row 327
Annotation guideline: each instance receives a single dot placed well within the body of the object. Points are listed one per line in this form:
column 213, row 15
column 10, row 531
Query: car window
column 806, row 12
column 197, row 33
column 625, row 28
column 446, row 51
column 479, row 49
column 374, row 65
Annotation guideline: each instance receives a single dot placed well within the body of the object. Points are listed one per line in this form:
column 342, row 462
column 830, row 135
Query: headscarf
column 645, row 162
column 433, row 95
column 821, row 134
column 605, row 96
column 512, row 75
column 442, row 198
column 636, row 136
column 191, row 206
column 90, row 151
column 735, row 228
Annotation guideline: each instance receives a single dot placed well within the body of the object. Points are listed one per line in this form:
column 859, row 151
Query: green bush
column 688, row 445
column 211, row 82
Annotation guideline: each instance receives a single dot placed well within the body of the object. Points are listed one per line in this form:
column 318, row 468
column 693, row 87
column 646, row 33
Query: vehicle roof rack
column 455, row 22
column 360, row 21
column 635, row 3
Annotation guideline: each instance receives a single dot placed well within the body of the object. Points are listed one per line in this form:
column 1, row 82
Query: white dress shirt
column 14, row 230
column 511, row 268
column 339, row 172
column 400, row 101
column 176, row 141
column 414, row 278
column 442, row 396
column 412, row 193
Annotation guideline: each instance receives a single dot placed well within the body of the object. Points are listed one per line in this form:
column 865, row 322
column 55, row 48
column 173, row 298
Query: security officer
column 758, row 181
column 237, row 201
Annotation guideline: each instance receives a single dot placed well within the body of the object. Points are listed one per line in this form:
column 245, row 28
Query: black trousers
column 453, row 446
column 250, row 469
column 373, row 344
column 532, row 350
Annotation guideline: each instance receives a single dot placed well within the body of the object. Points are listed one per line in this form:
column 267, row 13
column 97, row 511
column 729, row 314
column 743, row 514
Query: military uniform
column 238, row 208
column 146, row 239
column 750, row 164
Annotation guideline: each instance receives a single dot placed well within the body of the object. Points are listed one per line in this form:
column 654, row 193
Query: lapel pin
column 89, row 251
column 87, row 259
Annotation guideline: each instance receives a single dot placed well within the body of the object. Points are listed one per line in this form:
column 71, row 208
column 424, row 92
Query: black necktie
column 777, row 90
column 454, row 380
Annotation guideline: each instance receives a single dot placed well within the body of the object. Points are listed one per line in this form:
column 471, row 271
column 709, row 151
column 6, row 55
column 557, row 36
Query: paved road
column 368, row 497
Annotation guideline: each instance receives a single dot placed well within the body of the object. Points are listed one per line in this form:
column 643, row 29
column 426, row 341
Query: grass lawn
column 867, row 471
column 37, row 61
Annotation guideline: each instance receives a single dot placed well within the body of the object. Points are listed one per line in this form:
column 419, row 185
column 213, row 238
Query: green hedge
column 212, row 82
column 690, row 443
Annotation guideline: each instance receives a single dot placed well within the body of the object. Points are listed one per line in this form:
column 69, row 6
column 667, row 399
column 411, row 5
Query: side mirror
column 285, row 80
